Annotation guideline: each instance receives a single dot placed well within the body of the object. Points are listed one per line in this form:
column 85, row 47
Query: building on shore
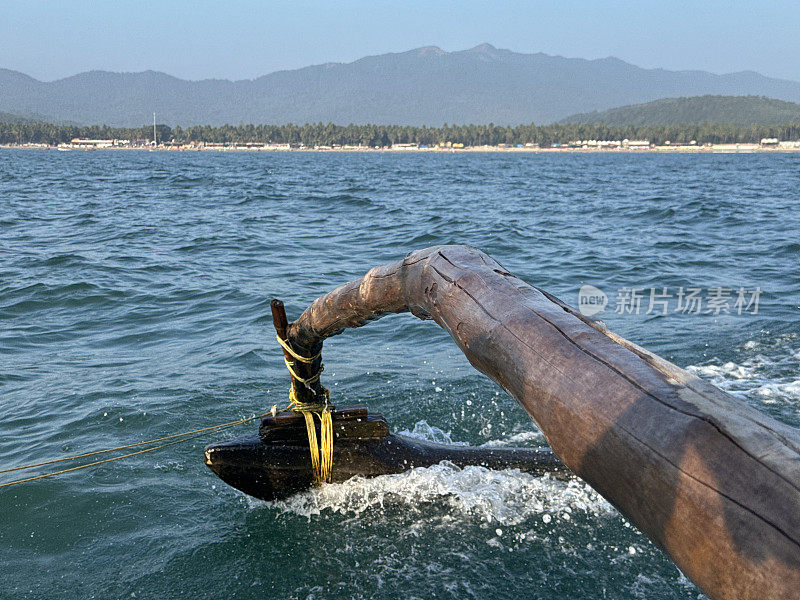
column 92, row 144
column 636, row 144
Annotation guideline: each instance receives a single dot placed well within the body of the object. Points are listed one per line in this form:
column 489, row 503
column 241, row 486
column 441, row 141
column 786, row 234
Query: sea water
column 134, row 303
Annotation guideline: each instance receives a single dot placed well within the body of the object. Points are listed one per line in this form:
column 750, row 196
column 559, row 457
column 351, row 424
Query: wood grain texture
column 711, row 480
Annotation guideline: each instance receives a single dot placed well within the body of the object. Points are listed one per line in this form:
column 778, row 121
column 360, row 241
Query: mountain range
column 425, row 86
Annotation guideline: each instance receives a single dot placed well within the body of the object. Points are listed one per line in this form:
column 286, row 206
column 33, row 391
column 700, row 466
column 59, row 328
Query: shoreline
column 706, row 149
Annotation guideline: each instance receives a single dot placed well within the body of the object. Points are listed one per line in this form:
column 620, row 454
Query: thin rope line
column 136, row 445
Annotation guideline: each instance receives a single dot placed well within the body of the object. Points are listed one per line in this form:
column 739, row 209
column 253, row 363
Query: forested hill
column 6, row 117
column 425, row 86
column 735, row 110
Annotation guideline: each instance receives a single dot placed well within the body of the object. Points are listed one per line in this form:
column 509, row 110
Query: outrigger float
column 275, row 463
column 712, row 481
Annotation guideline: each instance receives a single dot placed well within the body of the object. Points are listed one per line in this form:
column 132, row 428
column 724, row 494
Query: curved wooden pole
column 304, row 393
column 711, row 480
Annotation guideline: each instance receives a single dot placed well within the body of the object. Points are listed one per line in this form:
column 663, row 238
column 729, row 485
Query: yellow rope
column 303, row 359
column 312, row 444
column 326, row 445
column 307, row 381
column 321, row 452
column 183, row 437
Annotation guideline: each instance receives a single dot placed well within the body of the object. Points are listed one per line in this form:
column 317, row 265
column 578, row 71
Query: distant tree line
column 321, row 134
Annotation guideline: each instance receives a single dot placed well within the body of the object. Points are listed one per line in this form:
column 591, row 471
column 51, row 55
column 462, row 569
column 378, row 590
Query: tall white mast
column 155, row 141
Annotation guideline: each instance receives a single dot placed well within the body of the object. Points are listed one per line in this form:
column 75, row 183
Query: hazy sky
column 240, row 40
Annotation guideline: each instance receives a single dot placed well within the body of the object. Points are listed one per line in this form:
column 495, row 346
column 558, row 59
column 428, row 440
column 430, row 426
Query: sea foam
column 769, row 372
column 506, row 497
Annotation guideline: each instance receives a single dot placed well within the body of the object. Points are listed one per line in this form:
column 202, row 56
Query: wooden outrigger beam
column 711, row 480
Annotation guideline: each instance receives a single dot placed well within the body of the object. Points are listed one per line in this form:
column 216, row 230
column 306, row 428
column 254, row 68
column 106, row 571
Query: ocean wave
column 41, row 296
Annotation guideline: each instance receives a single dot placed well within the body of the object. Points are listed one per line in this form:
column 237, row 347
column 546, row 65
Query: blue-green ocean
column 134, row 303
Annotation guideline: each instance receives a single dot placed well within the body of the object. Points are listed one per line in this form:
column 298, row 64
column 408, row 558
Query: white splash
column 770, row 375
column 523, row 438
column 423, row 431
column 505, row 497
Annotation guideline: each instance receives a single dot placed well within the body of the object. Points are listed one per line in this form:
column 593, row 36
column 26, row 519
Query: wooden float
column 275, row 463
column 711, row 480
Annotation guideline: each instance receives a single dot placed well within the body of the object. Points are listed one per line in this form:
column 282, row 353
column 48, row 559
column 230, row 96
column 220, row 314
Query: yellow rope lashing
column 326, row 446
column 303, row 359
column 321, row 451
column 312, row 443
